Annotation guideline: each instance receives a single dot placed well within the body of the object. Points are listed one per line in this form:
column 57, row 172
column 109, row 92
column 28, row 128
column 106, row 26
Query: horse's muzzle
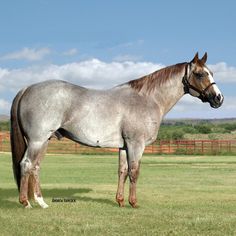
column 216, row 101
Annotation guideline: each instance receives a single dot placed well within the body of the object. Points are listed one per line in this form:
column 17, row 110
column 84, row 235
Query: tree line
column 175, row 131
column 178, row 130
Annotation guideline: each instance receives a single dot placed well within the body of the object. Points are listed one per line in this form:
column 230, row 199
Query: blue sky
column 68, row 39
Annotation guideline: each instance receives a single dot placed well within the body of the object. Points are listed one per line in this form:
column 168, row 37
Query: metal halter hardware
column 187, row 86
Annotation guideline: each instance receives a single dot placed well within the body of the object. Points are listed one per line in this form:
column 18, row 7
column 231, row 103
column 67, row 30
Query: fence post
column 229, row 146
column 1, row 143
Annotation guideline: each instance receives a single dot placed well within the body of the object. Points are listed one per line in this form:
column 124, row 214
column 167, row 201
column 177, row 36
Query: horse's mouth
column 215, row 102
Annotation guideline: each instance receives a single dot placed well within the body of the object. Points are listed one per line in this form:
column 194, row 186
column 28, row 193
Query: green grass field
column 177, row 195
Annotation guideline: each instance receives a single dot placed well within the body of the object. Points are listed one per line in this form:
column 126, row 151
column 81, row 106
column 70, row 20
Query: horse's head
column 198, row 82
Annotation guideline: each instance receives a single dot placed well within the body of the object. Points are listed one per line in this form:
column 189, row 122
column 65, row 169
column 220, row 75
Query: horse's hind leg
column 35, row 187
column 34, row 180
column 122, row 174
column 28, row 164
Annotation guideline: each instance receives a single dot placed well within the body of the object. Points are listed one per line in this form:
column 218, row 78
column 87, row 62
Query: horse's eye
column 199, row 74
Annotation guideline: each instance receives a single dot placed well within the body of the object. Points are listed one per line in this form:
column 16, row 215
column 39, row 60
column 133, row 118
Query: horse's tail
column 18, row 144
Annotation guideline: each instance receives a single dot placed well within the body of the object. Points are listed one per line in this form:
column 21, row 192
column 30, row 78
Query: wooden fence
column 211, row 147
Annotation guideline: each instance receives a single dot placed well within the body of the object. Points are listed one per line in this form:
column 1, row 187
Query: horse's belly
column 96, row 125
column 98, row 138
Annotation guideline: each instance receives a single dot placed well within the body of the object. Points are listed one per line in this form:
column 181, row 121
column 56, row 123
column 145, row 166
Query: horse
column 127, row 116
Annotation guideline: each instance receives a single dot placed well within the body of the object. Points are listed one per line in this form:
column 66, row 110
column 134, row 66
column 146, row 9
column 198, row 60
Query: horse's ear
column 195, row 59
column 204, row 58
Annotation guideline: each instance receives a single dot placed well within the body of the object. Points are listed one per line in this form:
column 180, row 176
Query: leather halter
column 187, row 86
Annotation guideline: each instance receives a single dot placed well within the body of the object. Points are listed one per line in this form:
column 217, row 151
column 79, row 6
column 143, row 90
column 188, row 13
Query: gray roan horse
column 127, row 116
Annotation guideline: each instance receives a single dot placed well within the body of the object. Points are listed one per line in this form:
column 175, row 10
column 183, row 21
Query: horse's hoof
column 121, row 202
column 44, row 206
column 27, row 205
column 40, row 201
column 133, row 204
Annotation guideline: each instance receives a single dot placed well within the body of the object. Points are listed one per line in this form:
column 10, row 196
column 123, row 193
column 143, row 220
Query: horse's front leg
column 134, row 156
column 133, row 176
column 122, row 175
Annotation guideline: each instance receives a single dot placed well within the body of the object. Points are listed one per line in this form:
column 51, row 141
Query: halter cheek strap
column 187, row 86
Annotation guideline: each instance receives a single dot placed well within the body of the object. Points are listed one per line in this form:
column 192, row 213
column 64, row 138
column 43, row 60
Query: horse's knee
column 134, row 167
column 133, row 174
column 123, row 172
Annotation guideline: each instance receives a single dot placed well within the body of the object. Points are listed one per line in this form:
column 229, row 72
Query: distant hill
column 197, row 121
column 4, row 118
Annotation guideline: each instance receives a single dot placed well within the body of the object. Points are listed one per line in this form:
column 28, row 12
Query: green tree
column 203, row 128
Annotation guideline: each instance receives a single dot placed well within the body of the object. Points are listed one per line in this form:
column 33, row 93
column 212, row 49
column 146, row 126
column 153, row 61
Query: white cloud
column 229, row 103
column 71, row 52
column 29, row 54
column 192, row 107
column 4, row 106
column 92, row 73
column 223, row 72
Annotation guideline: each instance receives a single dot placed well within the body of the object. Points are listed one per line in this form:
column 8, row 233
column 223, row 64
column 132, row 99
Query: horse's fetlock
column 23, row 200
column 120, row 200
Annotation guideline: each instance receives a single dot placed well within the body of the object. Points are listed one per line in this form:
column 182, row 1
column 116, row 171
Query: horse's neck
column 169, row 93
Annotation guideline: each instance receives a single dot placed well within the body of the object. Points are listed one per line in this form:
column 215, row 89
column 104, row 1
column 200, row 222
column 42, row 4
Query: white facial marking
column 40, row 201
column 216, row 89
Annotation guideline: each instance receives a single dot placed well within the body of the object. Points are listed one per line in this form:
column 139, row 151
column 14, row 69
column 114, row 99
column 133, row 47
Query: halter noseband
column 187, row 86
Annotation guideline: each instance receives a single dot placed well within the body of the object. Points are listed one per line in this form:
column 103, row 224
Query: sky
column 103, row 43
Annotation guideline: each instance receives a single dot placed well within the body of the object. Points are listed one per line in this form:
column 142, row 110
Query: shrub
column 229, row 127
column 5, row 126
column 178, row 134
column 203, row 129
column 189, row 130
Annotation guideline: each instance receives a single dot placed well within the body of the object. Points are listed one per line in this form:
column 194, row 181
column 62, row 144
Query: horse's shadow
column 61, row 194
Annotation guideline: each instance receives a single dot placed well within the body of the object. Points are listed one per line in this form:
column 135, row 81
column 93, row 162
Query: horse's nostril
column 218, row 97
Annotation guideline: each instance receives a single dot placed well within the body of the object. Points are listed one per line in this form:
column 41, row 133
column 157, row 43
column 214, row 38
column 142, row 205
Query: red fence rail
column 212, row 147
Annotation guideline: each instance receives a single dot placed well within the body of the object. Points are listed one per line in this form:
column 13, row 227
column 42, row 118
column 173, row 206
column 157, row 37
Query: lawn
column 177, row 195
